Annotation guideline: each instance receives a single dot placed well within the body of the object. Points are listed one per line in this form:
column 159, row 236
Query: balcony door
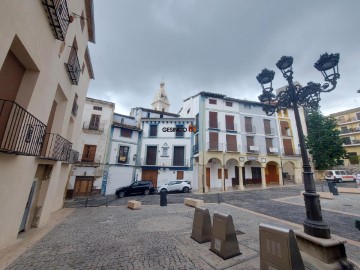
column 94, row 122
column 151, row 154
column 179, row 156
column 288, row 148
column 88, row 153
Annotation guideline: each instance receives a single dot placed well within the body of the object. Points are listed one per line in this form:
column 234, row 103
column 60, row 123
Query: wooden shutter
column 126, row 132
column 179, row 152
column 180, row 175
column 226, row 173
column 231, row 144
column 284, row 126
column 288, row 148
column 153, row 130
column 219, row 174
column 249, row 142
column 229, row 120
column 151, row 155
column 267, row 126
column 94, row 122
column 269, row 144
column 248, row 124
column 213, row 122
column 214, row 141
column 212, row 101
column 89, row 153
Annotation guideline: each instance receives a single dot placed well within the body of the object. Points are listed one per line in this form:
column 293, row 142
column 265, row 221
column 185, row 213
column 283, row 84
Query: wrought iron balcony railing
column 89, row 159
column 56, row 147
column 250, row 129
column 20, row 132
column 214, row 146
column 75, row 108
column 58, row 15
column 231, row 127
column 73, row 67
column 290, row 152
column 269, row 131
column 88, row 126
column 164, row 162
column 73, row 157
column 195, row 148
column 233, row 147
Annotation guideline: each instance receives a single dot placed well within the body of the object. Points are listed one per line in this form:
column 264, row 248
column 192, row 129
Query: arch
column 272, row 172
column 288, row 171
column 214, row 160
column 251, row 172
column 231, row 171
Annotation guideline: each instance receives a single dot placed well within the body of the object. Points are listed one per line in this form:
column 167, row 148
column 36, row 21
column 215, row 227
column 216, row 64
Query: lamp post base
column 317, row 229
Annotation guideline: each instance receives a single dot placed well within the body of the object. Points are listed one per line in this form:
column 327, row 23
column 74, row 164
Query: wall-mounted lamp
column 134, row 157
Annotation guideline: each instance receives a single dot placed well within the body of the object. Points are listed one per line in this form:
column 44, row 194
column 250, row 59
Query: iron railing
column 196, row 148
column 290, row 152
column 214, row 125
column 56, row 147
column 73, row 157
column 269, row 131
column 165, row 162
column 214, row 146
column 89, row 159
column 233, row 147
column 73, row 67
column 58, row 15
column 93, row 127
column 75, row 108
column 20, row 132
column 250, row 129
column 230, row 127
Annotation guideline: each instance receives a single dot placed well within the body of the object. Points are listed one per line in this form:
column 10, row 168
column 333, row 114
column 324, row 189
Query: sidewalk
column 153, row 237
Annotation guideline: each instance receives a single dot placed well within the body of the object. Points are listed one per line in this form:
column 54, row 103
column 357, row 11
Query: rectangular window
column 123, row 154
column 247, row 106
column 180, row 175
column 214, row 141
column 197, row 124
column 124, row 132
column 284, row 126
column 248, row 125
column 212, row 101
column 88, row 153
column 269, row 144
column 231, row 144
column 179, row 155
column 229, row 121
column 219, row 174
column 226, row 173
column 249, row 142
column 97, row 108
column 288, row 147
column 153, row 131
column 213, row 122
column 179, row 131
column 228, row 103
column 94, row 122
column 151, row 152
column 267, row 127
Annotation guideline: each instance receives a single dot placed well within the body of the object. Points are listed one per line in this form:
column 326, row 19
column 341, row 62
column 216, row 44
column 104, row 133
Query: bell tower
column 161, row 102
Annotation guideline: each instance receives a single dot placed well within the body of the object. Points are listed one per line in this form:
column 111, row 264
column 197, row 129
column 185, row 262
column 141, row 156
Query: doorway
column 83, row 187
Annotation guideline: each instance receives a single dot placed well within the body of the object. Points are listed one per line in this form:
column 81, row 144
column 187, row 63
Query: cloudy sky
column 219, row 46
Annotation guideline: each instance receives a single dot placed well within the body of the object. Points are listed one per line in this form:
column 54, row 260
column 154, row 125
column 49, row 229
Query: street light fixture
column 307, row 96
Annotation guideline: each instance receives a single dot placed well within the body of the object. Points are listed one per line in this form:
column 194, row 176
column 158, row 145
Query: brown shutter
column 180, row 175
column 219, row 174
column 231, row 143
column 151, row 155
column 213, row 122
column 89, row 153
column 248, row 124
column 214, row 141
column 179, row 152
column 269, row 144
column 226, row 173
column 284, row 126
column 288, row 148
column 267, row 126
column 229, row 120
column 249, row 142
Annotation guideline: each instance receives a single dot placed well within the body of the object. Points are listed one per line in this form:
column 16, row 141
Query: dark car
column 144, row 187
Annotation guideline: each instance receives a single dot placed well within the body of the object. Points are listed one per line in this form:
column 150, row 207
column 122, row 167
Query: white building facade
column 93, row 144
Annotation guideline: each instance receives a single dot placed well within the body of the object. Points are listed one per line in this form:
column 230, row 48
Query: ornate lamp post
column 307, row 96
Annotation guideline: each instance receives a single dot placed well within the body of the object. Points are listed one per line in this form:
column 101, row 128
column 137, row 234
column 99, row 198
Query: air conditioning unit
column 254, row 148
column 273, row 150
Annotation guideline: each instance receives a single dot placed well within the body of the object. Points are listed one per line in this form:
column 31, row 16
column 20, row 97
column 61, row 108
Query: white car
column 338, row 176
column 176, row 185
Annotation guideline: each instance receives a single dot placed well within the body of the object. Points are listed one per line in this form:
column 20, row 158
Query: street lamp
column 307, row 96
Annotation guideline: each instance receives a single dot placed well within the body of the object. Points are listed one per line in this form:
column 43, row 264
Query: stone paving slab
column 153, row 237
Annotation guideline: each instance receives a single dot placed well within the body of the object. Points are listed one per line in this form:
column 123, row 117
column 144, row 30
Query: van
column 338, row 176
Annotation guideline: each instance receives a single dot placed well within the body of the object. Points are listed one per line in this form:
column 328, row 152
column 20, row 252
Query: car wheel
column 185, row 189
column 147, row 192
column 340, row 180
column 121, row 194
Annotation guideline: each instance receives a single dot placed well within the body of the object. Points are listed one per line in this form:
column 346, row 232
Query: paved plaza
column 155, row 237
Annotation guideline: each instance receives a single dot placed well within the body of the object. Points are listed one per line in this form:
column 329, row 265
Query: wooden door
column 208, row 177
column 284, row 126
column 180, row 175
column 235, row 180
column 288, row 148
column 89, row 153
column 229, row 122
column 83, row 187
column 256, row 175
column 272, row 175
column 150, row 175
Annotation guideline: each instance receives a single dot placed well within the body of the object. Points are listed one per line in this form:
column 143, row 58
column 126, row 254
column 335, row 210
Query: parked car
column 144, row 187
column 176, row 185
column 338, row 176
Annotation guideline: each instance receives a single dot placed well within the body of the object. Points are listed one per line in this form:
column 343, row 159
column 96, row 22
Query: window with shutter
column 179, row 155
column 153, row 131
column 123, row 154
column 226, row 173
column 94, row 122
column 214, row 141
column 269, row 144
column 288, row 148
column 248, row 124
column 219, row 174
column 212, row 101
column 267, row 127
column 284, row 126
column 151, row 152
column 124, row 132
column 249, row 142
column 213, row 122
column 229, row 121
column 231, row 144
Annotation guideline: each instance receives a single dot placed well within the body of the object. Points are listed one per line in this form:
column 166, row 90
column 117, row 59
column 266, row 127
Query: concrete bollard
column 201, row 230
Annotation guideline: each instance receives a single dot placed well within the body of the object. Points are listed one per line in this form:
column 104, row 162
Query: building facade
column 348, row 122
column 44, row 77
column 93, row 144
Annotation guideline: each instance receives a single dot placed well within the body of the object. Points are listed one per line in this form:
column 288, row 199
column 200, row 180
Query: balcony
column 290, row 152
column 233, row 148
column 349, row 130
column 214, row 146
column 269, row 132
column 214, row 125
column 195, row 148
column 89, row 159
column 273, row 151
column 56, row 147
column 250, row 129
column 93, row 127
column 73, row 157
column 348, row 120
column 254, row 149
column 164, row 162
column 351, row 142
column 231, row 127
column 58, row 15
column 75, row 109
column 20, row 132
column 73, row 67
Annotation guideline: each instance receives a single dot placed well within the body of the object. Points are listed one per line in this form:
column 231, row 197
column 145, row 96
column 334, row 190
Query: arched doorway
column 289, row 172
column 232, row 173
column 272, row 173
column 252, row 172
column 213, row 173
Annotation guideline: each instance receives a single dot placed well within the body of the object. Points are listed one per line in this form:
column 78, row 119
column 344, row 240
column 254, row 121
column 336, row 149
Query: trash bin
column 333, row 188
column 163, row 199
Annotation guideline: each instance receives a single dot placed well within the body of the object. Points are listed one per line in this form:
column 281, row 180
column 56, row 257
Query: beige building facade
column 44, row 77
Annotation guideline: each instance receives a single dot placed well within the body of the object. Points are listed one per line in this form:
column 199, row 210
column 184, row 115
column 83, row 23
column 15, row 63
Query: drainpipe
column 107, row 160
column 202, row 141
